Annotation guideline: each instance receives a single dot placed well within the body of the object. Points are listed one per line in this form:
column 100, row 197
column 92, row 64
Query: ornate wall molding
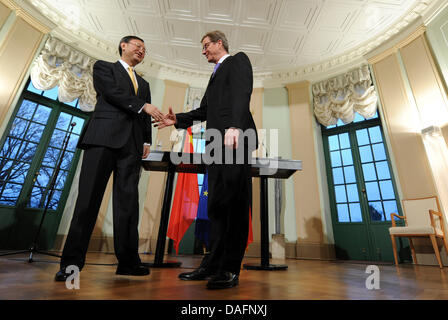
column 70, row 32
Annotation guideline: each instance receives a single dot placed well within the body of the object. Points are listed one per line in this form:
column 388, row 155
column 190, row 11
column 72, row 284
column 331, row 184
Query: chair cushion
column 414, row 230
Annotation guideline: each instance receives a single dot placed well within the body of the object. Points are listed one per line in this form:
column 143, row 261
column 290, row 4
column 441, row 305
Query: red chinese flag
column 250, row 238
column 185, row 202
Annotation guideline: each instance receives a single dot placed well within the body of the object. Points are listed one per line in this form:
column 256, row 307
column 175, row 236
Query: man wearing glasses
column 114, row 140
column 225, row 106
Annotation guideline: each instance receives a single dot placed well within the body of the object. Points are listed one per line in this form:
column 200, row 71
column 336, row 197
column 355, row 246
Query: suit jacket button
column 130, row 106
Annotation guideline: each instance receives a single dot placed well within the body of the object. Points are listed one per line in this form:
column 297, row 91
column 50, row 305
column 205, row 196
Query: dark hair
column 126, row 40
column 215, row 36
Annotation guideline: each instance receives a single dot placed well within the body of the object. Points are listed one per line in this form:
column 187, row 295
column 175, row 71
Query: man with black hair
column 114, row 140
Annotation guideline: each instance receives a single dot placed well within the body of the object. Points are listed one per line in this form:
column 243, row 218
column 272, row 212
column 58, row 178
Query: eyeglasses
column 206, row 45
column 139, row 46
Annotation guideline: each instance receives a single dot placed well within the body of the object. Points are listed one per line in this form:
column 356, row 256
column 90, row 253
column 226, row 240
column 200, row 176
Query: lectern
column 264, row 168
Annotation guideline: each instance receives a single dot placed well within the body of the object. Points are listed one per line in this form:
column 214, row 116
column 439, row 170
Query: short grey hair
column 215, row 36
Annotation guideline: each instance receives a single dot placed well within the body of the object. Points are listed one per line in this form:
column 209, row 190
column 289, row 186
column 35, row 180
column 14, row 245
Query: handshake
column 160, row 120
column 231, row 137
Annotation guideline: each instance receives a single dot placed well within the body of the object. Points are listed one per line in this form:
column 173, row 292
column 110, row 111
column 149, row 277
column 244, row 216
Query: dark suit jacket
column 226, row 100
column 116, row 114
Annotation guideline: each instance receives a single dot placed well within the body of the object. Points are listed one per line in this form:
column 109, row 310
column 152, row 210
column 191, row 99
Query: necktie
column 216, row 68
column 131, row 74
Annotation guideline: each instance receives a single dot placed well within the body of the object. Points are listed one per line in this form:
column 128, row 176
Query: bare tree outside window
column 20, row 146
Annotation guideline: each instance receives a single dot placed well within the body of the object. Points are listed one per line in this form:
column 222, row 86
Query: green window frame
column 31, row 146
column 359, row 166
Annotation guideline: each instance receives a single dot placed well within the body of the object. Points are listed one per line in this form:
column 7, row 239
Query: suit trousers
column 98, row 164
column 230, row 195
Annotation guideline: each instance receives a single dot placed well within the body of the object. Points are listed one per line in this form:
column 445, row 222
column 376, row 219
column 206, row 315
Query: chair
column 423, row 218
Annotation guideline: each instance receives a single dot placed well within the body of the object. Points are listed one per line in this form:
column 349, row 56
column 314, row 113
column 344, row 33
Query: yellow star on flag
column 206, row 193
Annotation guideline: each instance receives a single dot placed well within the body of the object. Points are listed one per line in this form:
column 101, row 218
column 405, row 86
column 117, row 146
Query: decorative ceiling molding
column 32, row 21
column 174, row 26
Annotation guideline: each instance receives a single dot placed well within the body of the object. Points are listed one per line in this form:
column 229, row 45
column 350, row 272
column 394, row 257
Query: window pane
column 352, row 193
column 369, row 172
column 64, row 121
column 18, row 128
column 373, row 193
column 347, row 158
column 42, row 114
column 72, row 142
column 362, row 137
column 202, row 146
column 67, row 161
column 53, row 153
column 335, row 158
column 55, row 200
column 5, row 170
column 387, row 190
column 18, row 172
column 78, row 127
column 38, row 198
column 200, row 180
column 375, row 134
column 379, row 152
column 60, row 181
column 376, row 211
column 27, row 151
column 340, row 194
column 52, row 93
column 390, row 207
column 44, row 176
column 73, row 103
column 10, row 194
column 350, row 174
column 366, row 154
column 333, row 143
column 35, row 132
column 11, row 148
column 338, row 177
column 345, row 140
column 383, row 170
column 57, row 140
column 51, row 157
column 195, row 144
column 358, row 117
column 355, row 212
column 27, row 109
column 343, row 213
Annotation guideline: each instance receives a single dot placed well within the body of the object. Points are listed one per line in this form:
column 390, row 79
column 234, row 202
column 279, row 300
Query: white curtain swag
column 340, row 97
column 60, row 65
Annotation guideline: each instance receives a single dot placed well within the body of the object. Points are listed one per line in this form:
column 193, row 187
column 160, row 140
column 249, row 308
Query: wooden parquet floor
column 303, row 280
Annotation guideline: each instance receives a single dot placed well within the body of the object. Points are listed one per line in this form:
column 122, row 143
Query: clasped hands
column 230, row 138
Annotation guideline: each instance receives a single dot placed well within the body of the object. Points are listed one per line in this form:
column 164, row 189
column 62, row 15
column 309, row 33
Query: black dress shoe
column 223, row 280
column 61, row 275
column 197, row 274
column 132, row 271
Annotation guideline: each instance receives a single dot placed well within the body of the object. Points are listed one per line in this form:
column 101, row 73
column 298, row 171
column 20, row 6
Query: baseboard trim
column 293, row 250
